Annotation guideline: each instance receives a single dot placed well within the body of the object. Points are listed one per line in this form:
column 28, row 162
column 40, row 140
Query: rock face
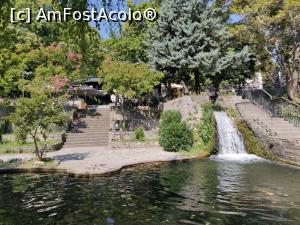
column 186, row 105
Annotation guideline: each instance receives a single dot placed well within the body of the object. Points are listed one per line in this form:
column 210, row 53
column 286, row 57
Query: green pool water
column 195, row 192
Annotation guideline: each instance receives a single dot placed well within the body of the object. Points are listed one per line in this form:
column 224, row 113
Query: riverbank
column 96, row 160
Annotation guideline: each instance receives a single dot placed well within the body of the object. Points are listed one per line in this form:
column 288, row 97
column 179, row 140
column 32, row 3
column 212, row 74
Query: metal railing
column 286, row 109
column 277, row 106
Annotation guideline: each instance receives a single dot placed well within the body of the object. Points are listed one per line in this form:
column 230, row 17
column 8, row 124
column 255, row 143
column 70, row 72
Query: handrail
column 279, row 107
column 291, row 102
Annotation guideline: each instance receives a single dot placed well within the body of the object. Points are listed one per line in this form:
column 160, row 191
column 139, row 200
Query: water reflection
column 178, row 193
column 231, row 178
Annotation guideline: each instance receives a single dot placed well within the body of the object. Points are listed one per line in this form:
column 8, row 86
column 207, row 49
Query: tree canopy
column 272, row 29
column 192, row 37
column 68, row 49
column 129, row 79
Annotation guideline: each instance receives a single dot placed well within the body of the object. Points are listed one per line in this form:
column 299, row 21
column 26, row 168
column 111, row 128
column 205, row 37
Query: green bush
column 206, row 128
column 139, row 133
column 205, row 131
column 174, row 135
column 170, row 116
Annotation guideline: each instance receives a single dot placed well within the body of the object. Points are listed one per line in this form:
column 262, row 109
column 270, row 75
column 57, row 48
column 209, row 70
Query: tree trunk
column 292, row 86
column 215, row 94
column 197, row 81
column 169, row 89
column 185, row 87
column 37, row 151
column 159, row 90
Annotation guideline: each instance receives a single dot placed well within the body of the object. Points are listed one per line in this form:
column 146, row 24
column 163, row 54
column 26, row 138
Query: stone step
column 72, row 139
column 103, row 136
column 275, row 128
column 103, row 127
column 84, row 145
column 90, row 131
column 97, row 141
column 92, row 140
column 84, row 140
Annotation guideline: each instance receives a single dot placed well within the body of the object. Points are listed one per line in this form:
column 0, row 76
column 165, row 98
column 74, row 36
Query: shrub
column 205, row 128
column 174, row 135
column 170, row 116
column 139, row 133
column 205, row 131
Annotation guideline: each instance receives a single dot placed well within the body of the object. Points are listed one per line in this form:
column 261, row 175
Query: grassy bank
column 14, row 147
column 28, row 164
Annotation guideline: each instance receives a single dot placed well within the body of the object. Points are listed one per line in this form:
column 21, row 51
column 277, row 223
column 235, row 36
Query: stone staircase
column 280, row 133
column 90, row 131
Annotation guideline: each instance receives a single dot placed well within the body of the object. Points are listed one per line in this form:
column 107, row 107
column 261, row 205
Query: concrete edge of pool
column 101, row 161
column 76, row 174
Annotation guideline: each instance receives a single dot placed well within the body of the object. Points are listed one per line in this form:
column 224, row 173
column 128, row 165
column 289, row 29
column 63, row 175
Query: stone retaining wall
column 186, row 105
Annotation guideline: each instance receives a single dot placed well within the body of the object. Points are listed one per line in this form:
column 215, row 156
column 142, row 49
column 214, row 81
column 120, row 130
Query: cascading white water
column 231, row 142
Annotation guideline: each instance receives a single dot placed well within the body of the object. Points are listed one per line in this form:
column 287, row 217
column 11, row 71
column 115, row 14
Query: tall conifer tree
column 191, row 36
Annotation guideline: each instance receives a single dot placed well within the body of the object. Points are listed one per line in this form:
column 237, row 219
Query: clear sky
column 106, row 28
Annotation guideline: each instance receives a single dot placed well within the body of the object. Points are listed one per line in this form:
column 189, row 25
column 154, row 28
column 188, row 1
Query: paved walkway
column 99, row 160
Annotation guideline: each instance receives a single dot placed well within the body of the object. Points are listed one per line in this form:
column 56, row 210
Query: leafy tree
column 192, row 37
column 129, row 79
column 130, row 44
column 38, row 116
column 272, row 28
column 44, row 49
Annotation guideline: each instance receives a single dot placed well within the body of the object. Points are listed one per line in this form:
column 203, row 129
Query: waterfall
column 231, row 142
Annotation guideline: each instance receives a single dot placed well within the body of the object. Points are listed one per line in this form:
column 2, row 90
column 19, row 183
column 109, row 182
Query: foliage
column 139, row 133
column 21, row 136
column 205, row 128
column 192, row 37
column 39, row 114
column 272, row 28
column 205, row 131
column 70, row 49
column 130, row 45
column 175, row 135
column 3, row 124
column 170, row 116
column 129, row 79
